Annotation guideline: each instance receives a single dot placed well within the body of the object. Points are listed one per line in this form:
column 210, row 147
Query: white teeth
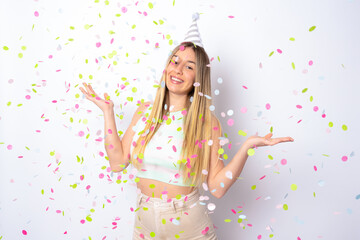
column 177, row 80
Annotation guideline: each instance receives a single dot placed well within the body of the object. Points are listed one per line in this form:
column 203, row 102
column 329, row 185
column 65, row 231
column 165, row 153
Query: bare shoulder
column 215, row 121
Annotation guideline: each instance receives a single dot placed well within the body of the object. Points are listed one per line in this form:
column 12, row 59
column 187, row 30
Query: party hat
column 193, row 34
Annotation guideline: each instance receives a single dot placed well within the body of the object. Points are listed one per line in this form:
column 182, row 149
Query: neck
column 177, row 102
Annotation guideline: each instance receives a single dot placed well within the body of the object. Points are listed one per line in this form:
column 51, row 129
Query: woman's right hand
column 104, row 105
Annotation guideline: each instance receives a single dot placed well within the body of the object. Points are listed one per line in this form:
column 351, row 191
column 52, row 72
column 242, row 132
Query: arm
column 118, row 151
column 218, row 174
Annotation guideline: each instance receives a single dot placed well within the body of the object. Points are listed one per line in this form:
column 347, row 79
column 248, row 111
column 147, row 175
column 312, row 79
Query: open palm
column 91, row 95
column 267, row 140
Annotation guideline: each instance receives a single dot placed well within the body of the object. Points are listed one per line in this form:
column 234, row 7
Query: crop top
column 162, row 155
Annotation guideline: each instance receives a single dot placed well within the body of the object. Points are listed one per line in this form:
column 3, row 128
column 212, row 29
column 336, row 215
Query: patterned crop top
column 161, row 159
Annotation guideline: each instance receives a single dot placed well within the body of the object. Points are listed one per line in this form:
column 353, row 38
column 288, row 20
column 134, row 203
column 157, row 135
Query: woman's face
column 181, row 72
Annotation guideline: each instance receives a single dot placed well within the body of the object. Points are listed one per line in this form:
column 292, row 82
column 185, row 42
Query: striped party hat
column 193, row 34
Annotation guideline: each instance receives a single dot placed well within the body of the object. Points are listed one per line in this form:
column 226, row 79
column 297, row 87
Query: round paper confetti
column 211, row 206
column 293, row 187
column 283, row 161
column 344, row 158
column 251, row 152
column 220, row 80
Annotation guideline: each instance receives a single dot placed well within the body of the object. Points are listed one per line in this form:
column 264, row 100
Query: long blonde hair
column 195, row 153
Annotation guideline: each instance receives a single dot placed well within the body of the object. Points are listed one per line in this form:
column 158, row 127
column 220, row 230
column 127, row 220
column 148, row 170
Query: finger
column 90, row 91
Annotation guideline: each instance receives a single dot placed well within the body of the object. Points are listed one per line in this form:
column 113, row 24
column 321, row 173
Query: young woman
column 182, row 139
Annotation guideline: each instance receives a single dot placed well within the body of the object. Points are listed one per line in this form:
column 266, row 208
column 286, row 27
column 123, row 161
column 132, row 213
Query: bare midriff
column 172, row 190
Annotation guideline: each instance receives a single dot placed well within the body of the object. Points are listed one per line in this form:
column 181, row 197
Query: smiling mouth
column 176, row 80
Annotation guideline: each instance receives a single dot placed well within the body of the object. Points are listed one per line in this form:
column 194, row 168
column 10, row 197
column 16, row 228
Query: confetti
column 344, row 158
column 229, row 175
column 211, row 206
column 36, row 13
column 293, row 187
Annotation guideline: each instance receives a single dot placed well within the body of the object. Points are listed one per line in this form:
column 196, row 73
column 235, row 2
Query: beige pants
column 184, row 218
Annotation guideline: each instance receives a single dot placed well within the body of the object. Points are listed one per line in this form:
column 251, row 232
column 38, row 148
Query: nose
column 178, row 68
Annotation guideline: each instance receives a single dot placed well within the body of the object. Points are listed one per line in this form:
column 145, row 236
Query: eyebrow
column 188, row 61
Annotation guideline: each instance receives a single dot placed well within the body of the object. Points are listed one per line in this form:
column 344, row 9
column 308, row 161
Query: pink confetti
column 109, row 131
column 98, row 44
column 124, row 9
column 88, row 187
column 145, row 14
column 36, row 13
column 283, row 161
column 174, row 148
column 27, row 97
column 267, row 106
column 24, row 232
column 82, row 221
column 315, row 168
column 245, row 87
column 177, row 176
column 259, row 237
column 50, row 56
column 299, row 106
column 101, row 175
column 184, row 112
column 205, row 231
column 147, row 41
column 101, row 154
column 230, row 122
column 54, row 101
column 231, row 16
column 311, row 63
column 133, row 38
column 243, row 109
column 65, row 232
column 344, row 158
column 82, row 177
column 233, row 211
column 142, row 236
column 81, row 133
column 58, row 211
column 323, row 115
column 262, row 177
column 156, row 45
column 9, row 147
column 316, row 108
column 298, row 238
column 279, row 51
column 112, row 40
column 182, row 48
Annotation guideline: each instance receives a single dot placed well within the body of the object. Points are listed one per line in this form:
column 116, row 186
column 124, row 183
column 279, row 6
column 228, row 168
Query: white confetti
column 228, row 174
column 211, row 206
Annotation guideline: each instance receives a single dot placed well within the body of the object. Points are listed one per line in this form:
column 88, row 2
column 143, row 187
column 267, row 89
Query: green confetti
column 218, row 58
column 271, row 129
column 225, row 156
column 285, row 207
column 331, row 124
column 270, row 157
column 88, row 218
column 106, row 2
column 178, row 196
column 133, row 26
column 52, row 153
column 20, row 55
column 251, row 152
column 293, row 187
column 271, row 53
column 304, row 90
column 161, row 21
column 242, row 133
column 72, row 28
column 312, row 28
column 174, row 3
column 118, row 15
column 292, row 39
column 220, row 151
column 293, row 65
column 5, row 48
column 152, row 185
column 42, row 191
column 271, row 235
column 152, row 234
column 155, row 22
column 151, row 5
column 253, row 187
column 227, row 220
column 177, row 236
column 311, row 98
column 344, row 127
column 23, row 48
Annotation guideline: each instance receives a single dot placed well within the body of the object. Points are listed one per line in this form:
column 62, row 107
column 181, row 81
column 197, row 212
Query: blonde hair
column 195, row 153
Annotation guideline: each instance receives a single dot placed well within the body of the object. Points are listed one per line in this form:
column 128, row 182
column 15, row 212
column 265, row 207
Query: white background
column 39, row 144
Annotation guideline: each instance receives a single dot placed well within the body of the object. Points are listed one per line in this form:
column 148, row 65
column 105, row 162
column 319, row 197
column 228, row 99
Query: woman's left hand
column 256, row 141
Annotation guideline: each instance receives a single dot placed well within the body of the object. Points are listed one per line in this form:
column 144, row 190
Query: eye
column 190, row 67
